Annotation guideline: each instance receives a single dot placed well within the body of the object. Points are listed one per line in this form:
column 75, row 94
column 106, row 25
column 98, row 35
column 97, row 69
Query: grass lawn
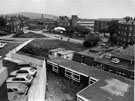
column 8, row 48
column 40, row 47
column 31, row 35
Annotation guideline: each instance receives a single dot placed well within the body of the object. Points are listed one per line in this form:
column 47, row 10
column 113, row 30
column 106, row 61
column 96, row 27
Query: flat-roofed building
column 97, row 84
column 67, row 54
column 89, row 56
column 3, row 85
column 123, row 64
column 53, row 52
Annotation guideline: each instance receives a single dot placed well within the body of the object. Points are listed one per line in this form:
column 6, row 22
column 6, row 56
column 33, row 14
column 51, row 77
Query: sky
column 82, row 8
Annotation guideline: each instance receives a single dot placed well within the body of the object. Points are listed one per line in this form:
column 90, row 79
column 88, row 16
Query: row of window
column 69, row 74
column 125, row 27
column 112, row 71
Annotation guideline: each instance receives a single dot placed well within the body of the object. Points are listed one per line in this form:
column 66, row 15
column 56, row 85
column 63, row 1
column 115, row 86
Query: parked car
column 21, row 78
column 18, row 88
column 24, row 70
column 2, row 45
column 16, row 97
column 115, row 60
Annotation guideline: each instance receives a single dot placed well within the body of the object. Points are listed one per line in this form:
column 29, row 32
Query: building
column 125, row 33
column 101, row 24
column 53, row 52
column 74, row 19
column 89, row 56
column 87, row 23
column 63, row 21
column 96, row 84
column 3, row 85
column 124, row 66
column 67, row 54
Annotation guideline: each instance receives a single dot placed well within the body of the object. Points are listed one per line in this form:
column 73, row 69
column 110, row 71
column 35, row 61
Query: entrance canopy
column 59, row 29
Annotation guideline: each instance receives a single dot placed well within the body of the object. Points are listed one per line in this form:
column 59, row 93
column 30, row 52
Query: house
column 67, row 54
column 97, row 84
column 53, row 52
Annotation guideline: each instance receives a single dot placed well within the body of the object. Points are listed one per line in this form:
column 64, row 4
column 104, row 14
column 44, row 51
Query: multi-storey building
column 125, row 33
column 3, row 87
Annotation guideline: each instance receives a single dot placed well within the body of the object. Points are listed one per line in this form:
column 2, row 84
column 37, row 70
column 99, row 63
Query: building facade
column 125, row 33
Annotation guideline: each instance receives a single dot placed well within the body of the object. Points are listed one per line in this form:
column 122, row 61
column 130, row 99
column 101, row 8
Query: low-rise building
column 97, row 84
column 67, row 54
column 89, row 56
column 123, row 64
column 53, row 52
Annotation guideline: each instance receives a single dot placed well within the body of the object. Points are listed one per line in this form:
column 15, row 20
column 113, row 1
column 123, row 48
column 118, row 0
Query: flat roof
column 110, row 89
column 122, row 65
column 56, row 49
column 84, row 69
column 66, row 52
column 127, row 53
column 97, row 51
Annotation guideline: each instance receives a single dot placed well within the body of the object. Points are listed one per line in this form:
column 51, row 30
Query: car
column 24, row 70
column 18, row 88
column 16, row 97
column 2, row 45
column 57, row 36
column 21, row 78
column 115, row 60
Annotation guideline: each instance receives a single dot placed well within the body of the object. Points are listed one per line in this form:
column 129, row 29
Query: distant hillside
column 34, row 15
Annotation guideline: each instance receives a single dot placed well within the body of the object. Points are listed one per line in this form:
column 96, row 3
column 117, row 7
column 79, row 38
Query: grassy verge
column 40, row 47
column 31, row 35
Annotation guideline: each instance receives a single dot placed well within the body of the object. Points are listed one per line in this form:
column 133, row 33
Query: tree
column 91, row 40
column 82, row 30
column 112, row 29
column 3, row 21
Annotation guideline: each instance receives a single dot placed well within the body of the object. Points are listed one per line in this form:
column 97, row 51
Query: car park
column 24, row 70
column 18, row 88
column 21, row 78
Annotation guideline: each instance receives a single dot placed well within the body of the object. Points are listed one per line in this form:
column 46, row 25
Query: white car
column 115, row 60
column 25, row 70
column 2, row 45
column 21, row 78
column 18, row 88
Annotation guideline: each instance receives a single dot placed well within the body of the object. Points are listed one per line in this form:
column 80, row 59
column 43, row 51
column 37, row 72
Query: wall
column 27, row 59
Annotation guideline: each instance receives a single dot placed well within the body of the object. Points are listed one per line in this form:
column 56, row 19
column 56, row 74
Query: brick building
column 125, row 33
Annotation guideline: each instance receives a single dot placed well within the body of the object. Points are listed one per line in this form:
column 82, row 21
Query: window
column 15, row 89
column 55, row 68
column 22, row 71
column 132, row 77
column 28, row 77
column 76, row 77
column 68, row 73
column 82, row 59
column 92, row 80
column 9, row 90
column 22, row 79
column 16, row 79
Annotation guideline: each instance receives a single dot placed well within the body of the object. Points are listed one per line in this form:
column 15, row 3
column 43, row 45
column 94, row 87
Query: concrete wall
column 27, row 59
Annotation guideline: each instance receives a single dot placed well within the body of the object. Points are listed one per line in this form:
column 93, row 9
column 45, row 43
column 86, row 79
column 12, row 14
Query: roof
column 66, row 52
column 57, row 49
column 97, row 51
column 110, row 89
column 127, row 53
column 122, row 65
column 60, row 28
column 83, row 69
